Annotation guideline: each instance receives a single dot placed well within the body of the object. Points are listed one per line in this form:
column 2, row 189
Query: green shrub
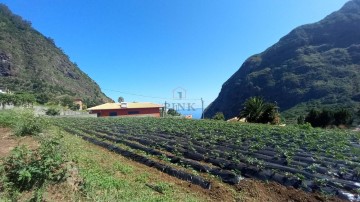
column 173, row 112
column 27, row 169
column 23, row 122
column 219, row 116
column 256, row 110
column 301, row 120
column 26, row 123
column 305, row 126
column 74, row 107
column 343, row 117
column 326, row 117
column 7, row 118
column 52, row 112
column 22, row 99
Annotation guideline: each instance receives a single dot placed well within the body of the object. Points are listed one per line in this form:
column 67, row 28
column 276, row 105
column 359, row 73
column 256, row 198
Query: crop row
column 313, row 159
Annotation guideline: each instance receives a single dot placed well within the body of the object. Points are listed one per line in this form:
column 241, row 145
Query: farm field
column 314, row 160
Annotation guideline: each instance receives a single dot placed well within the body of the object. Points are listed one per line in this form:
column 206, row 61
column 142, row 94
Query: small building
column 79, row 102
column 126, row 109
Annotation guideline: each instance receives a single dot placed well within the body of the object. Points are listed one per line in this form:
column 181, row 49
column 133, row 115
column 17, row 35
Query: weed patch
column 26, row 169
column 23, row 122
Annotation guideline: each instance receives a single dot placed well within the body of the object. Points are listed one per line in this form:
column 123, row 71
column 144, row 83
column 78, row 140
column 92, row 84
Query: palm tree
column 120, row 99
column 256, row 110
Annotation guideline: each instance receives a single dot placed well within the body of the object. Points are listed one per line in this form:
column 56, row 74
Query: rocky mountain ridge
column 315, row 65
column 31, row 62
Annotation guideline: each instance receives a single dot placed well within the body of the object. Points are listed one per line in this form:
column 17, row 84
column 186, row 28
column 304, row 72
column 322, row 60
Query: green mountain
column 315, row 65
column 31, row 62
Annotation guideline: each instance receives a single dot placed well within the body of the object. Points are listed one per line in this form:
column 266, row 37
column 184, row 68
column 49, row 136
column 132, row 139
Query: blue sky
column 150, row 47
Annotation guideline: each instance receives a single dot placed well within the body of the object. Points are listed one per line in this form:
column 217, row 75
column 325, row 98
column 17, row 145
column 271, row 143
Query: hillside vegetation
column 314, row 66
column 31, row 62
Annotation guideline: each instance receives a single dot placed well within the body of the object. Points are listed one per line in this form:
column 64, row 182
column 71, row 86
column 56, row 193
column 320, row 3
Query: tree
column 74, row 107
column 52, row 112
column 17, row 99
column 313, row 117
column 301, row 120
column 42, row 98
column 219, row 116
column 4, row 100
column 66, row 101
column 120, row 99
column 256, row 110
column 24, row 99
column 343, row 117
column 173, row 112
column 326, row 118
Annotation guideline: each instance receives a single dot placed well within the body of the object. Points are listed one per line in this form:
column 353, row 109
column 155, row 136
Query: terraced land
column 314, row 160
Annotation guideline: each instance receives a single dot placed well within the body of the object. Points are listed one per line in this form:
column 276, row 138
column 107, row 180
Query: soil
column 8, row 142
column 260, row 191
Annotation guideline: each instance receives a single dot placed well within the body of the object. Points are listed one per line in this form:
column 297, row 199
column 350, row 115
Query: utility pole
column 164, row 109
column 202, row 108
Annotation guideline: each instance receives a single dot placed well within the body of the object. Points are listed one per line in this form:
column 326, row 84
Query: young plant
column 26, row 169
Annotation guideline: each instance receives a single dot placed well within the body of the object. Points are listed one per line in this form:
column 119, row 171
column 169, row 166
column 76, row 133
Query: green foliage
column 313, row 117
column 285, row 139
column 7, row 118
column 120, row 99
column 220, row 137
column 27, row 123
column 66, row 101
column 305, row 126
column 42, row 98
column 74, row 107
column 23, row 122
column 326, row 117
column 343, row 117
column 219, row 116
column 301, row 120
column 173, row 112
column 123, row 168
column 256, row 110
column 52, row 111
column 27, row 169
column 161, row 187
column 17, row 99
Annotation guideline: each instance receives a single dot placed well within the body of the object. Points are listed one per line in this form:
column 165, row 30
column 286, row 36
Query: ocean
column 196, row 114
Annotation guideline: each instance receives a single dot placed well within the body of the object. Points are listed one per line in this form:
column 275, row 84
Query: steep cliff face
column 314, row 64
column 31, row 62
